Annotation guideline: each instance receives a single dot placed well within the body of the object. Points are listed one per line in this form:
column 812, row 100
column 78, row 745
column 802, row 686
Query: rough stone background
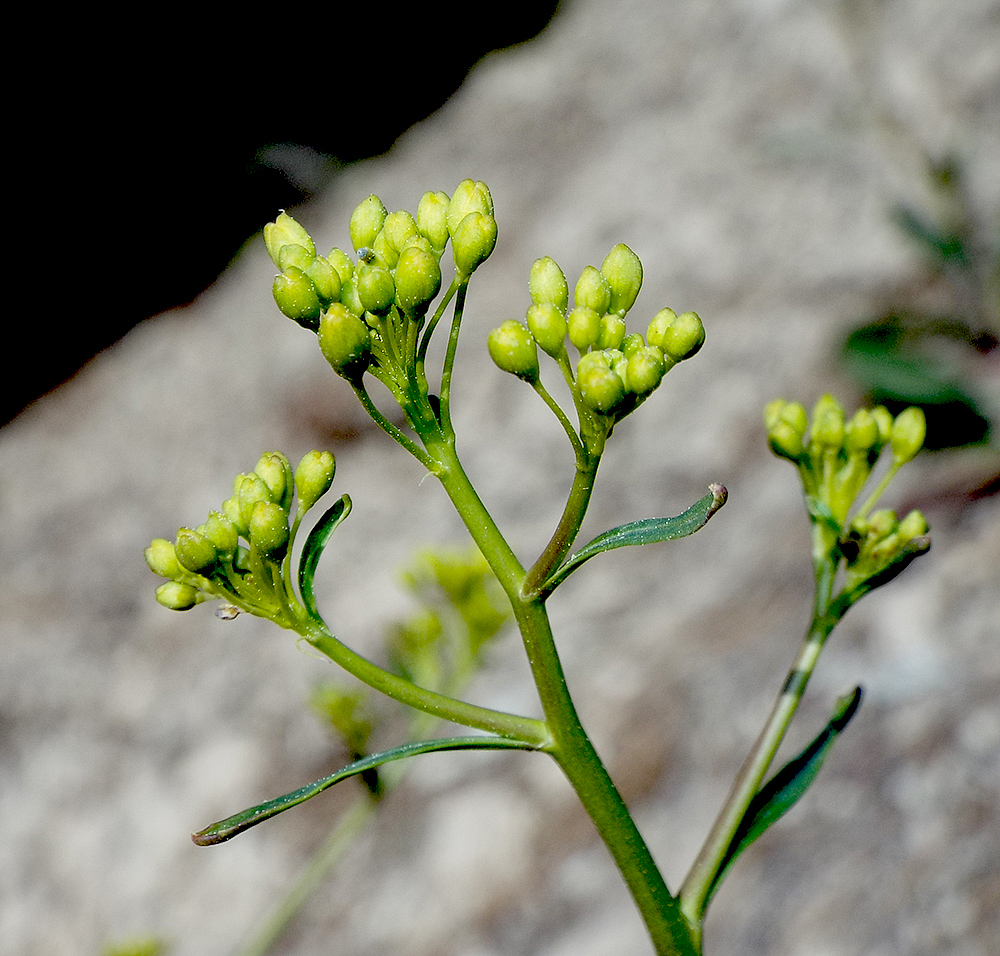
column 750, row 154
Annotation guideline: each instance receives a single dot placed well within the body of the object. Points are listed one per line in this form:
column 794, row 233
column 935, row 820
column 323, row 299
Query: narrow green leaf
column 786, row 787
column 644, row 531
column 313, row 548
column 228, row 828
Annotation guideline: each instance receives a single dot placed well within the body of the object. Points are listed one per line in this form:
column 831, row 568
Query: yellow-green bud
column 473, row 241
column 251, row 491
column 313, row 478
column 294, row 256
column 342, row 263
column 195, row 552
column 861, row 432
column 285, row 231
column 593, row 290
column 601, row 387
column 632, row 343
column 881, row 523
column 584, row 327
column 658, row 327
column 468, row 197
column 908, row 433
column 548, row 326
column 612, row 332
column 432, row 219
column 913, row 526
column 418, row 279
column 623, row 270
column 884, row 421
column 376, row 290
column 547, row 284
column 349, row 297
column 325, row 279
column 345, row 341
column 177, row 596
column 645, row 369
column 513, row 349
column 397, row 228
column 269, row 528
column 785, row 441
column 162, row 558
column 231, row 511
column 683, row 337
column 297, row 298
column 827, row 424
column 366, row 222
column 275, row 471
column 221, row 532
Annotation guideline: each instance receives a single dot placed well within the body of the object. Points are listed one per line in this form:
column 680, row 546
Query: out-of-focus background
column 820, row 181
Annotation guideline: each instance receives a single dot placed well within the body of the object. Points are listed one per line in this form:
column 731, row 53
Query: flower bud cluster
column 239, row 553
column 835, row 456
column 368, row 312
column 616, row 370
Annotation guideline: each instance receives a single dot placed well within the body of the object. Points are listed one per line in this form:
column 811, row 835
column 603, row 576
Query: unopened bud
column 345, row 341
column 645, row 369
column 593, row 290
column 623, row 270
column 286, row 231
column 366, row 222
column 195, row 552
column 547, row 284
column 683, row 337
column 269, row 528
column 432, row 219
column 177, row 596
column 275, row 471
column 313, row 478
column 162, row 558
column 325, row 279
column 548, row 327
column 222, row 533
column 861, row 432
column 513, row 349
column 584, row 327
column 612, row 332
column 469, row 196
column 601, row 388
column 294, row 256
column 418, row 279
column 473, row 241
column 908, row 433
column 297, row 298
column 827, row 424
column 376, row 290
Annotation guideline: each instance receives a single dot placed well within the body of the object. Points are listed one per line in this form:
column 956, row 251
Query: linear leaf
column 313, row 548
column 644, row 531
column 787, row 786
column 231, row 826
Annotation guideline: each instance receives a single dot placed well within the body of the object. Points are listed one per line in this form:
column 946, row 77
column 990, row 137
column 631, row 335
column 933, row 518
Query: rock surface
column 749, row 153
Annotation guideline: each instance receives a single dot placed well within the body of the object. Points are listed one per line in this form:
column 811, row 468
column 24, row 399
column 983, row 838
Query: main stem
column 571, row 747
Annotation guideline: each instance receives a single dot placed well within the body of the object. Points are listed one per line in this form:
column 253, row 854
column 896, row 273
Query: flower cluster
column 835, row 458
column 240, row 554
column 616, row 370
column 368, row 312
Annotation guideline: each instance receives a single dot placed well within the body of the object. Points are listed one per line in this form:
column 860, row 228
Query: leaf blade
column 233, row 825
column 313, row 549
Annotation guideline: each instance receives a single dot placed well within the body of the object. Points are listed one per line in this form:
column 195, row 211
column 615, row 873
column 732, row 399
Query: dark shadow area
column 162, row 149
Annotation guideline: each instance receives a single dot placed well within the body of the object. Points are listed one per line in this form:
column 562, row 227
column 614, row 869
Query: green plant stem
column 570, row 746
column 695, row 890
column 449, row 359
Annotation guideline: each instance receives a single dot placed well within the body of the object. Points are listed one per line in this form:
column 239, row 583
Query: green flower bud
column 861, row 432
column 162, row 558
column 294, row 256
column 473, row 241
column 785, row 441
column 645, row 369
column 593, row 291
column 231, row 511
column 397, row 228
column 178, row 597
column 612, row 332
column 468, row 197
column 313, row 478
column 884, row 421
column 513, row 349
column 269, row 529
column 251, row 491
column 345, row 341
column 600, row 387
column 881, row 523
column 296, row 297
column 913, row 526
column 548, row 326
column 623, row 270
column 285, row 231
column 547, row 284
column 350, row 299
column 195, row 552
column 376, row 290
column 221, row 531
column 366, row 222
column 584, row 327
column 325, row 279
column 827, row 424
column 432, row 219
column 275, row 471
column 342, row 264
column 908, row 433
column 418, row 280
column 658, row 327
column 632, row 343
column 683, row 337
